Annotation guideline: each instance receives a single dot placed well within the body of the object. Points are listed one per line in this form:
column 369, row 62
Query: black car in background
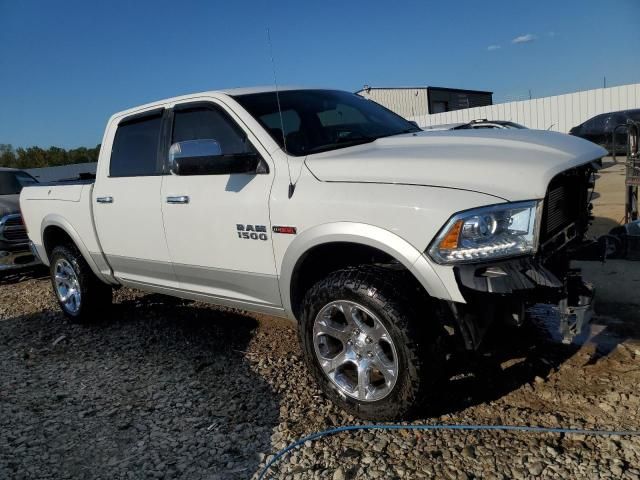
column 484, row 123
column 15, row 251
column 600, row 130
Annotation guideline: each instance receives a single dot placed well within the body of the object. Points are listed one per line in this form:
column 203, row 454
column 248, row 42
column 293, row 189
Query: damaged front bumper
column 506, row 290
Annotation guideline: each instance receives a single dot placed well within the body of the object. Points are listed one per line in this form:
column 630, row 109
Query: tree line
column 36, row 157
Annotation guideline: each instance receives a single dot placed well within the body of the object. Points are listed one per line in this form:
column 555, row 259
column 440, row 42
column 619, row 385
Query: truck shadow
column 158, row 388
column 513, row 357
column 509, row 359
column 31, row 273
column 602, row 226
column 617, row 323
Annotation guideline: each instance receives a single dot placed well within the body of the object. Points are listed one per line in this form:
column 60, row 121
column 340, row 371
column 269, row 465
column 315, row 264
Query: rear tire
column 384, row 330
column 81, row 295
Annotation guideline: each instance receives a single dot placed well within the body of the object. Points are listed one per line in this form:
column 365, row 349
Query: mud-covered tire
column 95, row 296
column 411, row 323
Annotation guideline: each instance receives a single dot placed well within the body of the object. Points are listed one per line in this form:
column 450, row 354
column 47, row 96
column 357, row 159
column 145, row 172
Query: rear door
column 217, row 225
column 126, row 202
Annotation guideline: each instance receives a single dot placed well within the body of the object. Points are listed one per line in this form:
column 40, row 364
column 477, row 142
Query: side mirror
column 205, row 157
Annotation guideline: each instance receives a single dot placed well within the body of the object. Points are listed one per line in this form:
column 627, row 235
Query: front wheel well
column 321, row 260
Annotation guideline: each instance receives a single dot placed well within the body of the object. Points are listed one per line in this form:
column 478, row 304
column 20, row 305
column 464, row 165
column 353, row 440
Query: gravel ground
column 165, row 388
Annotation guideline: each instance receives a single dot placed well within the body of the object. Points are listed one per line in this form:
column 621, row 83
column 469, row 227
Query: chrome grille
column 12, row 229
column 13, row 221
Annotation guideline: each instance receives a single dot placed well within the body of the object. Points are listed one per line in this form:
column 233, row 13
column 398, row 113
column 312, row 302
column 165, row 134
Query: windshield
column 321, row 120
column 11, row 182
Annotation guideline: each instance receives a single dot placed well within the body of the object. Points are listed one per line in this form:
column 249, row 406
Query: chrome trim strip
column 127, row 267
column 212, row 299
column 246, row 287
column 178, row 199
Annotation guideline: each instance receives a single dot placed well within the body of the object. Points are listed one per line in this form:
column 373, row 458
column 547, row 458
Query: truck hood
column 9, row 204
column 510, row 164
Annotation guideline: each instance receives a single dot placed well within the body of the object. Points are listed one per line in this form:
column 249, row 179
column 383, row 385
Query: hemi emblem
column 285, row 230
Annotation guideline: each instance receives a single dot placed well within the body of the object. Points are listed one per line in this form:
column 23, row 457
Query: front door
column 217, row 225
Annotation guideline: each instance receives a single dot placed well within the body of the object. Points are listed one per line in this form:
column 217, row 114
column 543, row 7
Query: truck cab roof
column 231, row 92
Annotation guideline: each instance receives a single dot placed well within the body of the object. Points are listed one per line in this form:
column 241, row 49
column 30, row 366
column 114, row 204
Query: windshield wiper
column 341, row 143
column 402, row 132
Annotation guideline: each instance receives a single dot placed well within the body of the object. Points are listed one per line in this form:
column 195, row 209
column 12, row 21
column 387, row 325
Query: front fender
column 359, row 233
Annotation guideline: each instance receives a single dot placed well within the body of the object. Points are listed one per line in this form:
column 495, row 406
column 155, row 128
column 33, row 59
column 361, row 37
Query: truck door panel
column 219, row 237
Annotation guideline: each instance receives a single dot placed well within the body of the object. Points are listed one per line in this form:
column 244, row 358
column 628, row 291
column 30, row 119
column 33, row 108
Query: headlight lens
column 487, row 233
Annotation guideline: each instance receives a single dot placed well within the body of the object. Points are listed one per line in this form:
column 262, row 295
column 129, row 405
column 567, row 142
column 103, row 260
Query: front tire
column 368, row 345
column 80, row 294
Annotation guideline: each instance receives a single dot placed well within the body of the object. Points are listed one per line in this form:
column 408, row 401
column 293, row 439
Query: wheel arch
column 56, row 230
column 312, row 247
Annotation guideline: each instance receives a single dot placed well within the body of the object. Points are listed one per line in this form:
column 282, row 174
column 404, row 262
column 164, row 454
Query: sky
column 66, row 66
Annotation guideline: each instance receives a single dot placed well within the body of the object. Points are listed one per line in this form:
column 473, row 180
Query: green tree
column 31, row 157
column 7, row 155
column 57, row 156
column 36, row 157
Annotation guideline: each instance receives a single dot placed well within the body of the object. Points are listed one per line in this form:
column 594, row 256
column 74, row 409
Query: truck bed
column 68, row 206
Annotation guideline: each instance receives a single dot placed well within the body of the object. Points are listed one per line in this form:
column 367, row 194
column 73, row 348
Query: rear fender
column 96, row 262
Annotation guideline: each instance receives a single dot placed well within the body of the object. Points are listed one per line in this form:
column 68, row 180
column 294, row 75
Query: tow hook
column 576, row 306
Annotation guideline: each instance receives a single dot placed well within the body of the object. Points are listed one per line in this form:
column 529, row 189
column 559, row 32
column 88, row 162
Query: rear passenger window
column 135, row 148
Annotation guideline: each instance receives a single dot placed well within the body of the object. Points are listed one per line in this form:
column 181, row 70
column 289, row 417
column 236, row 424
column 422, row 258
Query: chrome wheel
column 67, row 286
column 355, row 350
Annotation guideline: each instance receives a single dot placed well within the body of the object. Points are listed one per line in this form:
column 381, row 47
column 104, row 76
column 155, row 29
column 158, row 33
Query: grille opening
column 566, row 203
column 16, row 235
column 13, row 230
column 14, row 222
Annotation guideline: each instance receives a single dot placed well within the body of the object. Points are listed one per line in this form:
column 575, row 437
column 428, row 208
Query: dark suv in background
column 600, row 130
column 15, row 251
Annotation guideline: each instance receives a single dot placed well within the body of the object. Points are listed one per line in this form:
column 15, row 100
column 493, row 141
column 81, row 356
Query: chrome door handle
column 107, row 199
column 178, row 199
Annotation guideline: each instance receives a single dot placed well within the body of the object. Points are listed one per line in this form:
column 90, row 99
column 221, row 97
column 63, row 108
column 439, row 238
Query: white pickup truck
column 386, row 244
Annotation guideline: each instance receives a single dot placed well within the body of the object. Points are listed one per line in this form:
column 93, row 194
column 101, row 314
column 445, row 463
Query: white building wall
column 559, row 113
column 408, row 102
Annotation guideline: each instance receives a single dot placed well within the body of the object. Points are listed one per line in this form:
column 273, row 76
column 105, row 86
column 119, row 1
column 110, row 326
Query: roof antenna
column 292, row 186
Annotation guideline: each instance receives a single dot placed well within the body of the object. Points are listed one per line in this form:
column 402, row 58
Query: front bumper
column 506, row 290
column 16, row 257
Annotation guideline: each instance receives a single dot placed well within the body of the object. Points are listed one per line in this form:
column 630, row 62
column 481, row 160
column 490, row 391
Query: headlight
column 488, row 233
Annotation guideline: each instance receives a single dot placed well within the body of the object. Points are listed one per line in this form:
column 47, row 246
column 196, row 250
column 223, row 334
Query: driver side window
column 203, row 123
